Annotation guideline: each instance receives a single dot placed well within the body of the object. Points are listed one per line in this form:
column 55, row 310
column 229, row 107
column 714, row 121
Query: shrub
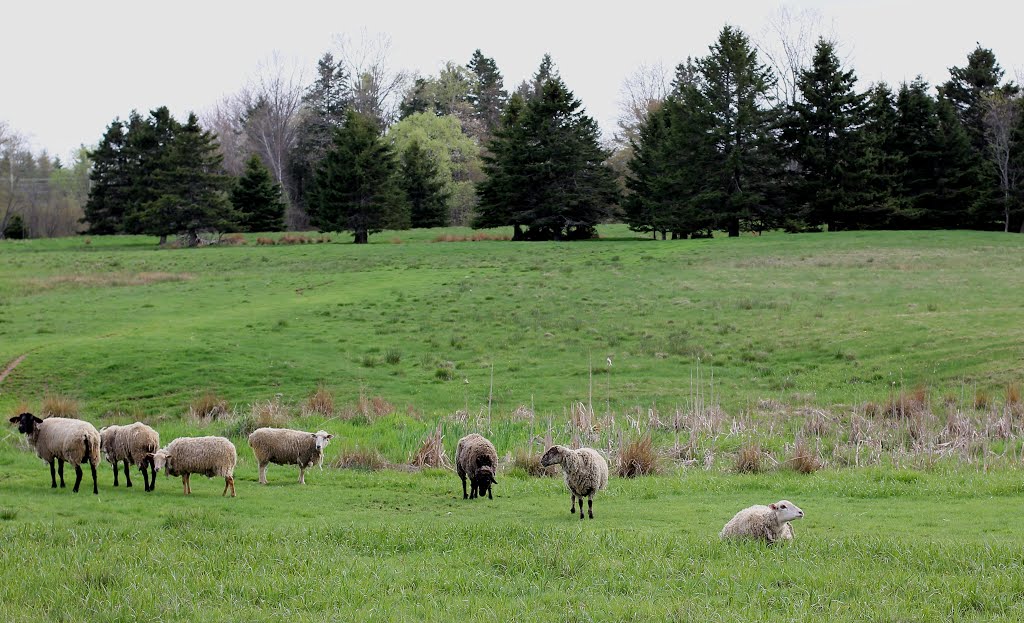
column 56, row 405
column 265, row 241
column 431, row 452
column 529, row 462
column 805, row 459
column 208, row 406
column 232, row 240
column 321, row 402
column 749, row 459
column 371, row 460
column 638, row 458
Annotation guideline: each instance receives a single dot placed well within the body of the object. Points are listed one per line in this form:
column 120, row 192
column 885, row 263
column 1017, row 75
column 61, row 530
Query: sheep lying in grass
column 586, row 473
column 209, row 456
column 283, row 446
column 63, row 439
column 769, row 523
column 133, row 444
column 476, row 459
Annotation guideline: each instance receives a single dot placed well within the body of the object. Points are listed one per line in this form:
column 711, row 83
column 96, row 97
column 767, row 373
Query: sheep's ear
column 329, row 436
column 493, row 480
column 15, row 419
column 773, row 506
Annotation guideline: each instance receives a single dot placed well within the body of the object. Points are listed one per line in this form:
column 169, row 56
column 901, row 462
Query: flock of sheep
column 76, row 442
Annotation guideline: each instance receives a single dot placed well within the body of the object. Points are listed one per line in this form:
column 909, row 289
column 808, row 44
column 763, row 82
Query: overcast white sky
column 68, row 68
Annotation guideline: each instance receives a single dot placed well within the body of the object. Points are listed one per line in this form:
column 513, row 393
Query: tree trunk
column 663, row 234
column 191, row 239
column 163, row 240
column 734, row 227
column 361, row 236
column 517, row 232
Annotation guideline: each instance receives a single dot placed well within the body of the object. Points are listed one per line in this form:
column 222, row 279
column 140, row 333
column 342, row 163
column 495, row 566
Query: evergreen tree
column 191, row 187
column 547, row 170
column 109, row 199
column 257, row 199
column 15, row 228
column 822, row 137
column 487, row 92
column 882, row 192
column 356, row 186
column 506, row 186
column 735, row 87
column 424, row 190
column 967, row 88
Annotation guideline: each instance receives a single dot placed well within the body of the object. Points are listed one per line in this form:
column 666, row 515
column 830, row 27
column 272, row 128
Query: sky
column 68, row 68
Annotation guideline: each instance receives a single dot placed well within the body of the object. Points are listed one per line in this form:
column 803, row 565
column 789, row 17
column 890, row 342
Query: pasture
column 895, row 355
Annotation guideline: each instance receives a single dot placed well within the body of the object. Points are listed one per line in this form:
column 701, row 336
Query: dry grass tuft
column 265, row 242
column 907, row 405
column 232, row 240
column 103, row 280
column 431, row 452
column 750, row 459
column 261, row 414
column 475, row 237
column 530, row 463
column 208, row 406
column 638, row 458
column 294, row 239
column 805, row 458
column 817, row 424
column 56, row 405
column 370, row 460
column 981, row 400
column 321, row 402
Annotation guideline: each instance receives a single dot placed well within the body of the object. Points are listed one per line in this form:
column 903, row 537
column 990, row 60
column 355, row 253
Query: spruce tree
column 506, row 185
column 487, row 93
column 257, row 199
column 109, row 178
column 882, row 193
column 356, row 186
column 425, row 192
column 967, row 88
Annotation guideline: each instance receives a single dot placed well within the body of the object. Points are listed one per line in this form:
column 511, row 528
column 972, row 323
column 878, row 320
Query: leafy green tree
column 822, row 134
column 447, row 94
column 425, row 192
column 552, row 153
column 736, row 87
column 356, row 187
column 456, row 155
column 192, row 189
column 257, row 199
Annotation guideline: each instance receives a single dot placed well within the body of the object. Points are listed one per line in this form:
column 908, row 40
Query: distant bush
column 321, row 402
column 208, row 406
column 750, row 459
column 638, row 458
column 360, row 459
column 56, row 405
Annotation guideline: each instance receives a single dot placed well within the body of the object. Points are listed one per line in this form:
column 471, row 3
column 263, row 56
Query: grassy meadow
column 886, row 365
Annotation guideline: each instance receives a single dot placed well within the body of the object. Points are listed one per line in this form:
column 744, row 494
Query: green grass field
column 715, row 344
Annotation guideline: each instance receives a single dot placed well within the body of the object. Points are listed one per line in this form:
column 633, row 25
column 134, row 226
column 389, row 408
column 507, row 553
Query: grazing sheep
column 64, row 439
column 770, row 523
column 586, row 473
column 132, row 444
column 284, row 446
column 476, row 458
column 209, row 456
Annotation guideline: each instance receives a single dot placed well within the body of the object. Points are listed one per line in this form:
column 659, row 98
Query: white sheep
column 209, row 456
column 133, row 444
column 586, row 473
column 284, row 446
column 476, row 458
column 770, row 523
column 63, row 439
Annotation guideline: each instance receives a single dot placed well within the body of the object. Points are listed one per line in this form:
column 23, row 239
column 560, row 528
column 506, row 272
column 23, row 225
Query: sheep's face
column 320, row 439
column 26, row 423
column 484, row 479
column 786, row 511
column 552, row 456
column 160, row 460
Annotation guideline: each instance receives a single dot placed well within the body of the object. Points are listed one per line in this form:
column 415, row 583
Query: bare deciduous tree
column 225, row 120
column 787, row 43
column 642, row 92
column 1002, row 113
column 377, row 90
column 12, row 150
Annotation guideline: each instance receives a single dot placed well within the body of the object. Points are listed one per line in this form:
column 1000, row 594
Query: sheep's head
column 483, row 479
column 786, row 511
column 321, row 438
column 552, row 456
column 26, row 423
column 161, row 459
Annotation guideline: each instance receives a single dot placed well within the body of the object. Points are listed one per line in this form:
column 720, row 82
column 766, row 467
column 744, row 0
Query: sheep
column 132, row 444
column 476, row 458
column 64, row 439
column 284, row 446
column 586, row 473
column 770, row 523
column 209, row 456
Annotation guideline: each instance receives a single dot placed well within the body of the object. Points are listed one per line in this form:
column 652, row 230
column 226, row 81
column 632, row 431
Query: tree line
column 741, row 140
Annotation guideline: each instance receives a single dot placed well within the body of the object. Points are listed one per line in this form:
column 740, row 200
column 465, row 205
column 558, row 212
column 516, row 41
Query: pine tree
column 735, row 86
column 967, row 88
column 487, row 93
column 191, row 187
column 882, row 193
column 822, row 137
column 547, row 170
column 356, row 185
column 108, row 201
column 506, row 185
column 428, row 200
column 257, row 199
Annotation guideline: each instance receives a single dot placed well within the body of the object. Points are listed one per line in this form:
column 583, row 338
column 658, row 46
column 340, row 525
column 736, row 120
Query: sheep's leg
column 573, row 509
column 474, row 490
column 590, row 506
column 184, row 483
column 489, row 496
column 78, row 477
column 302, row 475
column 145, row 477
column 53, row 474
column 229, row 481
column 465, row 495
column 95, row 489
column 60, row 471
column 263, row 473
column 127, row 476
column 116, row 483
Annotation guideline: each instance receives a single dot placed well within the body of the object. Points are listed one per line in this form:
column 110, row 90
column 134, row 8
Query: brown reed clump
column 57, row 405
column 265, row 242
column 530, row 463
column 638, row 458
column 906, row 405
column 750, row 459
column 232, row 240
column 805, row 458
column 431, row 452
column 356, row 458
column 981, row 400
column 320, row 402
column 208, row 406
